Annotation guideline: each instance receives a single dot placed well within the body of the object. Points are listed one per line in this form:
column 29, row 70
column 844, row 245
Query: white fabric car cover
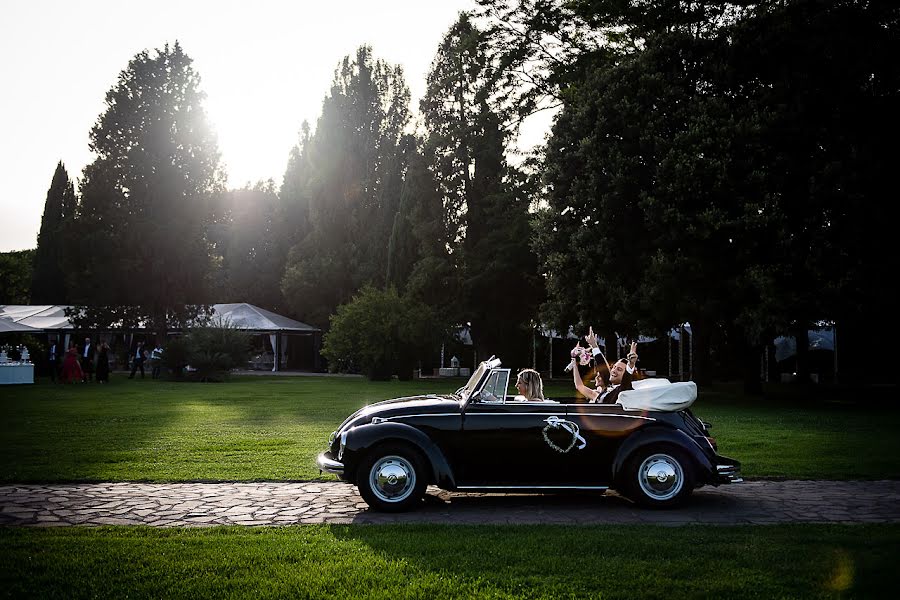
column 658, row 394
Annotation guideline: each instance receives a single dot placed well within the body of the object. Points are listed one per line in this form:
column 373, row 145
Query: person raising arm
column 621, row 373
column 584, row 390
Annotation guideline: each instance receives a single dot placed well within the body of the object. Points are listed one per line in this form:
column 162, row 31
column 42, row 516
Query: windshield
column 465, row 391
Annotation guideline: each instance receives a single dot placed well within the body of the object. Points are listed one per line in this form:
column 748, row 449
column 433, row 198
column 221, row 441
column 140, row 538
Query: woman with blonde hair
column 530, row 386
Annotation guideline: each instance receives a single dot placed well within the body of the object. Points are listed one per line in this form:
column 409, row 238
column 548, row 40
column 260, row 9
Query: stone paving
column 276, row 503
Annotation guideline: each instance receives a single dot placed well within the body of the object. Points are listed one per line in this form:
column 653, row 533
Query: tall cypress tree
column 485, row 205
column 48, row 285
column 419, row 263
column 347, row 179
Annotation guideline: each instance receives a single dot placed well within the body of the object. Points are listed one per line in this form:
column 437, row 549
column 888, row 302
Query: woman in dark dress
column 103, row 363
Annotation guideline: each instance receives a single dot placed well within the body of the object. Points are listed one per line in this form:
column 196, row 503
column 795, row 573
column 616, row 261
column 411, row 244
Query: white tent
column 10, row 326
column 241, row 315
column 255, row 320
column 819, row 339
column 41, row 316
column 260, row 321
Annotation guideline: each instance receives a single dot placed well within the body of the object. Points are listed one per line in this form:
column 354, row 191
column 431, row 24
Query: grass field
column 271, row 428
column 434, row 561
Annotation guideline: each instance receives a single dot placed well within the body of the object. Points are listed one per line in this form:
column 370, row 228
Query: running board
column 532, row 487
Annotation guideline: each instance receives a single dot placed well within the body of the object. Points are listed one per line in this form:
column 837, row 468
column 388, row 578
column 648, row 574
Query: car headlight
column 331, row 438
column 341, row 448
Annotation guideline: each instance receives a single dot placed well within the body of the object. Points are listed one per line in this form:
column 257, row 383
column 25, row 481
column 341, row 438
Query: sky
column 265, row 67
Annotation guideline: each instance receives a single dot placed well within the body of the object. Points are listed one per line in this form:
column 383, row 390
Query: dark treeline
column 723, row 164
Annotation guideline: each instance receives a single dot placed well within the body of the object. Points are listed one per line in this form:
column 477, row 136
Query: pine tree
column 48, row 285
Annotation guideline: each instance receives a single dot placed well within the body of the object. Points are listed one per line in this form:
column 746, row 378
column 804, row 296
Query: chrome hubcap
column 392, row 478
column 660, row 477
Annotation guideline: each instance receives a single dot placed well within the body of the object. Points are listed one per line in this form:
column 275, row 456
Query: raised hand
column 591, row 338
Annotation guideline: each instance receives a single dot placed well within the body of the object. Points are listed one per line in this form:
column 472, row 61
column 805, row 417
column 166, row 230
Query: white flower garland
column 557, row 423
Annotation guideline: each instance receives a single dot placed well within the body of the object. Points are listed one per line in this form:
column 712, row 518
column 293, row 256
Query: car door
column 504, row 443
column 604, row 428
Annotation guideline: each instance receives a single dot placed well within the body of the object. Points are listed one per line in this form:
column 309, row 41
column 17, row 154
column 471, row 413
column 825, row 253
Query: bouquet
column 581, row 355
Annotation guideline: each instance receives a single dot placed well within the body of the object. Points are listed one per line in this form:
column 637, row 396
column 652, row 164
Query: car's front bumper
column 329, row 465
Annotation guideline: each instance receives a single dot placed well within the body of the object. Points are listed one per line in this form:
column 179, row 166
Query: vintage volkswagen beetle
column 481, row 439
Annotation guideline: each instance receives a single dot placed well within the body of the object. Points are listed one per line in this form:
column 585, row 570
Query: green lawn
column 272, row 428
column 435, row 561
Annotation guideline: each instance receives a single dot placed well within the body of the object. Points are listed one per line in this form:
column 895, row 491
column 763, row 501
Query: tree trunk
column 773, row 372
column 701, row 338
column 802, row 338
column 612, row 346
column 160, row 327
column 750, row 368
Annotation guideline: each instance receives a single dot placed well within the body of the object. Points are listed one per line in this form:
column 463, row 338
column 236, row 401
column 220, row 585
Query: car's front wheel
column 660, row 476
column 391, row 478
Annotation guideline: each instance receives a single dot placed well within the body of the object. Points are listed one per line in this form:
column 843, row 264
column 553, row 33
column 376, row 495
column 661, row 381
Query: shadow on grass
column 644, row 561
column 439, row 561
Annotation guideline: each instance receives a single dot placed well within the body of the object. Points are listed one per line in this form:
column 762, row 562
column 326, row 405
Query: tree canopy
column 147, row 198
column 346, row 179
column 15, row 276
column 710, row 176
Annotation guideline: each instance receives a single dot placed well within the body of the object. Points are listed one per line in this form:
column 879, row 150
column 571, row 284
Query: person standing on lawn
column 87, row 360
column 71, row 370
column 137, row 360
column 156, row 361
column 103, row 363
column 53, row 359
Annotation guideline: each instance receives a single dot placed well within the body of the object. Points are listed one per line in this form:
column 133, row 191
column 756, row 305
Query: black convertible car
column 481, row 439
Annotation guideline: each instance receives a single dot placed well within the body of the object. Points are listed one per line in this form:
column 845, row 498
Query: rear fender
column 363, row 438
column 664, row 435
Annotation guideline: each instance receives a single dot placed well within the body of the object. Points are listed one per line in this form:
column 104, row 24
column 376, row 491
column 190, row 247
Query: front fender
column 362, row 438
column 665, row 435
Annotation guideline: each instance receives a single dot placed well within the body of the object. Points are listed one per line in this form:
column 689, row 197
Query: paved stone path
column 272, row 503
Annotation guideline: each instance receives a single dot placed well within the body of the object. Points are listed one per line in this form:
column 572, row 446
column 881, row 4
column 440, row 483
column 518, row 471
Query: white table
column 16, row 373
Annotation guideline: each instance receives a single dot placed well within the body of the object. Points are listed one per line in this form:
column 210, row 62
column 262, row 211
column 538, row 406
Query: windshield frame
column 478, row 377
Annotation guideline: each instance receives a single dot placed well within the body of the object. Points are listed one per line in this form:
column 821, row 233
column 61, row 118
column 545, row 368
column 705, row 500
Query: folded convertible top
column 659, row 394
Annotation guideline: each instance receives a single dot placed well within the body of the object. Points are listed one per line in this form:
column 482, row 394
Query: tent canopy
column 241, row 315
column 10, row 326
column 252, row 318
column 40, row 316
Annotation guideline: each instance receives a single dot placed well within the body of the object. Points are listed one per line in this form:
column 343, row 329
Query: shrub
column 211, row 350
column 381, row 333
column 176, row 355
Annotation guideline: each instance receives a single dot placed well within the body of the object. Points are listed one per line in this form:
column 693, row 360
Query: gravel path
column 275, row 503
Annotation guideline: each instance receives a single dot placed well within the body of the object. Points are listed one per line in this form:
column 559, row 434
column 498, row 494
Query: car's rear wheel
column 659, row 476
column 391, row 478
